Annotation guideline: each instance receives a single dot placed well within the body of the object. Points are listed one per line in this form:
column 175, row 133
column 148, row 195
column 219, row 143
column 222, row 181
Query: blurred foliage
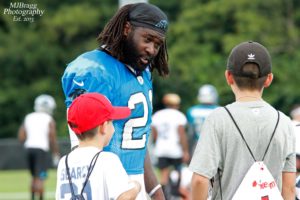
column 205, row 32
column 33, row 56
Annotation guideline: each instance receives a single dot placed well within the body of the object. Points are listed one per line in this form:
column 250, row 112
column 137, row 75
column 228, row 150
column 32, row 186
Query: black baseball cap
column 249, row 52
column 148, row 16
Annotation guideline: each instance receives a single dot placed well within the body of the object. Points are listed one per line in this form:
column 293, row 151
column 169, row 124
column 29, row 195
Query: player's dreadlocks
column 113, row 38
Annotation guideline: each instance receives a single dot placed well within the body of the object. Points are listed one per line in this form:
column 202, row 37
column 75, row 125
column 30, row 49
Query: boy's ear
column 269, row 80
column 102, row 128
column 229, row 77
column 127, row 29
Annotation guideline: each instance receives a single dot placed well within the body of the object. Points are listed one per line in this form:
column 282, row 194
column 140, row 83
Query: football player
column 38, row 133
column 208, row 99
column 132, row 45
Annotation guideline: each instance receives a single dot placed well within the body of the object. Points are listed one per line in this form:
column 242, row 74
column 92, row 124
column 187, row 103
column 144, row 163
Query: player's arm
column 154, row 134
column 22, row 134
column 132, row 193
column 184, row 143
column 289, row 171
column 53, row 142
column 152, row 186
column 288, row 185
column 200, row 186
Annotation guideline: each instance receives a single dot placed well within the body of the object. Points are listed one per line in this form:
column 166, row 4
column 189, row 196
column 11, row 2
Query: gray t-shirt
column 222, row 147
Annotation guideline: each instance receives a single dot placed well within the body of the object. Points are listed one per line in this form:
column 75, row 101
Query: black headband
column 148, row 16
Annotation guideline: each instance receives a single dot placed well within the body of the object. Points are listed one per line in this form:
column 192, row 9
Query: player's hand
column 137, row 185
column 132, row 193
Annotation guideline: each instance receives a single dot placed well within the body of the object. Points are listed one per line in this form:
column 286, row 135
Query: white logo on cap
column 251, row 56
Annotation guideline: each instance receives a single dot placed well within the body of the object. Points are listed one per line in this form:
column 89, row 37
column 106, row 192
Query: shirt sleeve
column 183, row 120
column 116, row 178
column 290, row 161
column 206, row 157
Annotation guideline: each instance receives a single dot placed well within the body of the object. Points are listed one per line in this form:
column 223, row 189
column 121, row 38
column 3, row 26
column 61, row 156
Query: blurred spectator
column 171, row 146
column 295, row 114
column 208, row 99
column 38, row 133
column 184, row 183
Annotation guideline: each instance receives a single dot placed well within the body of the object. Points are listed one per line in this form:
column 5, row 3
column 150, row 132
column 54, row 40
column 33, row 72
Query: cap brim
column 120, row 113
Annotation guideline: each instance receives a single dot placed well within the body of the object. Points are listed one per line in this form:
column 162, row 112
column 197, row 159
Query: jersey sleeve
column 189, row 116
column 84, row 75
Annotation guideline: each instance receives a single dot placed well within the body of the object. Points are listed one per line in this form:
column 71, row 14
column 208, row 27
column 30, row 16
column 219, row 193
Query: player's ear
column 127, row 28
column 269, row 80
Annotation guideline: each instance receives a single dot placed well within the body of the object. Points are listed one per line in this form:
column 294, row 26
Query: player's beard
column 132, row 55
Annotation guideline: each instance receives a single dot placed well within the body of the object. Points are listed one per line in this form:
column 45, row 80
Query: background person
column 94, row 174
column 38, row 133
column 183, row 179
column 295, row 114
column 132, row 45
column 196, row 115
column 169, row 136
column 223, row 154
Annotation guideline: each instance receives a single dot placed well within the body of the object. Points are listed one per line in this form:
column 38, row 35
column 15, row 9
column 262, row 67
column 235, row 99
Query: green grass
column 15, row 185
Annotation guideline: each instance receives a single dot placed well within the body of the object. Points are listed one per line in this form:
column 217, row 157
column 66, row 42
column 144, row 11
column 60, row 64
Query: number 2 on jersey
column 129, row 142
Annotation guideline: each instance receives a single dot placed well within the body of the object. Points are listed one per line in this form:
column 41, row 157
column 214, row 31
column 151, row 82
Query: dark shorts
column 164, row 162
column 37, row 161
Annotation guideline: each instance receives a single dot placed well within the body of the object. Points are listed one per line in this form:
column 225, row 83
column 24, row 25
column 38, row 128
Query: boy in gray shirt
column 222, row 153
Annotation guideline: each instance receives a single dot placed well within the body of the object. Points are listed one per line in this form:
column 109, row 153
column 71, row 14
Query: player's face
column 142, row 46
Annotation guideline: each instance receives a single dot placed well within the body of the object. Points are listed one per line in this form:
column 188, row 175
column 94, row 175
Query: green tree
column 33, row 56
column 206, row 31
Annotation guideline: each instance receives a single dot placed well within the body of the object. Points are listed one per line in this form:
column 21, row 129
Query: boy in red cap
column 87, row 172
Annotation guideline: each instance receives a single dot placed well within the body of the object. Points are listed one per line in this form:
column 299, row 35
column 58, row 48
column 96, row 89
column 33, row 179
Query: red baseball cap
column 90, row 110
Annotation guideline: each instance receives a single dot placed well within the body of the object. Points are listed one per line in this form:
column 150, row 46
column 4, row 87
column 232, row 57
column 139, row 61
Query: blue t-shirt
column 97, row 71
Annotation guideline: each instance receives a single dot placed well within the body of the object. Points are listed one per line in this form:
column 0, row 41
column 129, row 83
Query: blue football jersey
column 97, row 71
column 196, row 116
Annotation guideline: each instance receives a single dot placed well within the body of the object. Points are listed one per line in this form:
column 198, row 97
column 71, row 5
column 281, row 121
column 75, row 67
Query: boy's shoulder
column 217, row 113
column 110, row 157
column 106, row 158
